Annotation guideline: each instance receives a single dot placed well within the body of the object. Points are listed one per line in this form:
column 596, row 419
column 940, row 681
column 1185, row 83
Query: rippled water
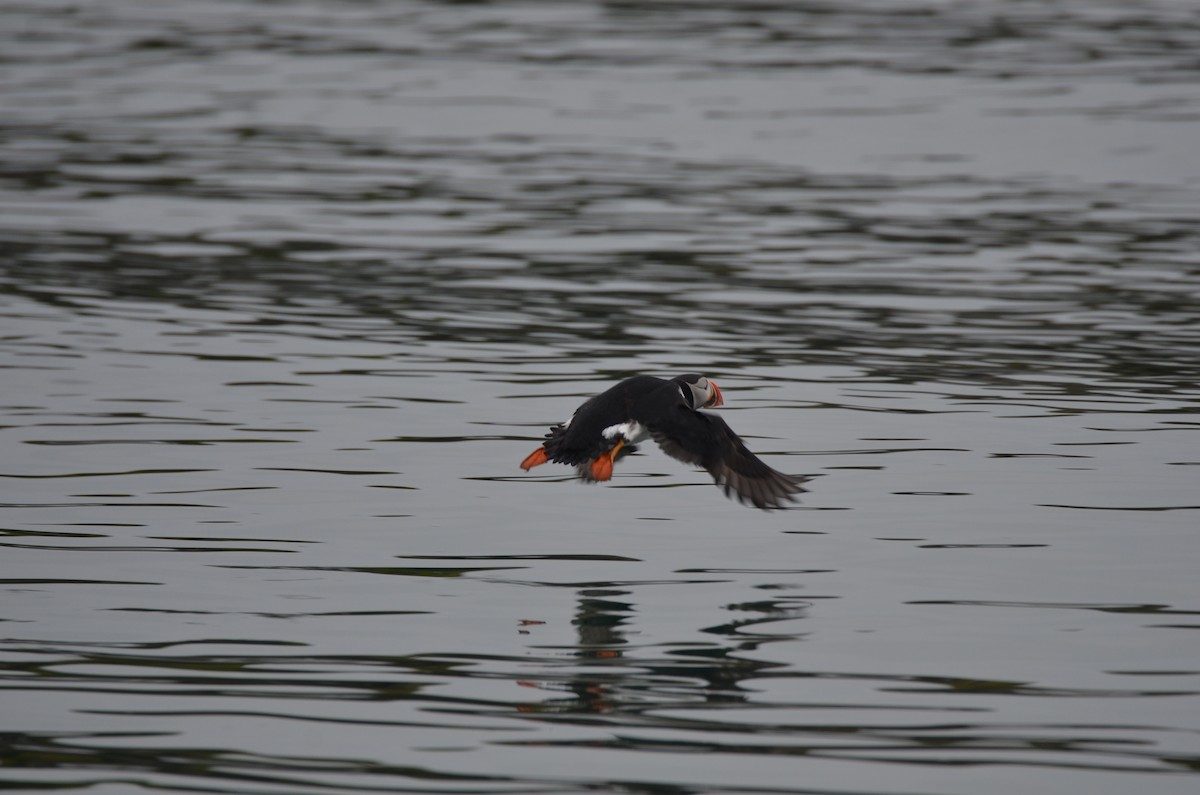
column 290, row 288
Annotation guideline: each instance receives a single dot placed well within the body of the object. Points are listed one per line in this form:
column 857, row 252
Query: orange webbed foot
column 602, row 467
column 536, row 458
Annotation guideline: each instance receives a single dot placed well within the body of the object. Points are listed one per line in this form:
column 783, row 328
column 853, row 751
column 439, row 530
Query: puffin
column 608, row 426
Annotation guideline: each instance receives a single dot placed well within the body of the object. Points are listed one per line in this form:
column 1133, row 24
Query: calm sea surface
column 288, row 290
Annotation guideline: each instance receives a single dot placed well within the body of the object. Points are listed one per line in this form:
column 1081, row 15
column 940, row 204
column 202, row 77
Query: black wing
column 705, row 440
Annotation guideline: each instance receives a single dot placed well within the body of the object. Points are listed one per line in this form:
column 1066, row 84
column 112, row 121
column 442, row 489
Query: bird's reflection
column 599, row 617
column 615, row 674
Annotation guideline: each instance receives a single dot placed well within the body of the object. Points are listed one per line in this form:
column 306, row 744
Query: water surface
column 289, row 289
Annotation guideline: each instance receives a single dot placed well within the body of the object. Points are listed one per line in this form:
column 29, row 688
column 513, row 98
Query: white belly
column 632, row 432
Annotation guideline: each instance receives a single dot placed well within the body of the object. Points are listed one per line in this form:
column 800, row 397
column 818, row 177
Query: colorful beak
column 716, row 399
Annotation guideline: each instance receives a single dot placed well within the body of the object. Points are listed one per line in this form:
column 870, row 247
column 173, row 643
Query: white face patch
column 631, row 432
column 700, row 392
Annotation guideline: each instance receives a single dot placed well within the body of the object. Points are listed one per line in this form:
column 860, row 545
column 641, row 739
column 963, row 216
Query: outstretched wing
column 705, row 440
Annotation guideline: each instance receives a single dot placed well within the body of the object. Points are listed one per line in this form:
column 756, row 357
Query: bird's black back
column 583, row 439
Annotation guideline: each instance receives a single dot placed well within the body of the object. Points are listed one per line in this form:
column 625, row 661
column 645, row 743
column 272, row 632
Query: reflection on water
column 287, row 290
column 603, row 690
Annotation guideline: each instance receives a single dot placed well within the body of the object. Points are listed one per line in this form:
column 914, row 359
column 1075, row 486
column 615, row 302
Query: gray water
column 289, row 289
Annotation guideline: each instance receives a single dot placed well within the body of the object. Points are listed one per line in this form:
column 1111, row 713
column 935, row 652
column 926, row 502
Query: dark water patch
column 327, row 471
column 1150, row 508
column 145, row 548
column 573, row 556
column 1132, row 608
column 1037, row 455
column 196, row 442
column 276, row 615
column 106, row 474
column 404, row 571
column 227, row 539
column 233, row 770
column 223, row 488
column 90, row 524
column 105, row 504
column 33, row 581
column 607, row 584
column 755, row 571
column 981, row 546
column 933, row 493
column 1085, row 344
column 877, row 748
column 444, row 439
column 24, row 532
column 878, row 451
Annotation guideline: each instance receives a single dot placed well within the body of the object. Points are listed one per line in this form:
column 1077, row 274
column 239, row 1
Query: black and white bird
column 667, row 411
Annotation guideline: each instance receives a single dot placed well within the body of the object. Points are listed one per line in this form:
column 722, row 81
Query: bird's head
column 699, row 392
